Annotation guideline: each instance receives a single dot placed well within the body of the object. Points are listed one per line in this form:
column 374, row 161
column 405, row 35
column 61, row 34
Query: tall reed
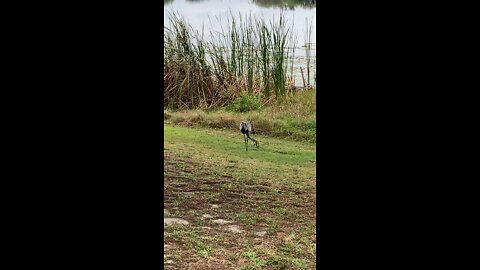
column 249, row 54
column 308, row 47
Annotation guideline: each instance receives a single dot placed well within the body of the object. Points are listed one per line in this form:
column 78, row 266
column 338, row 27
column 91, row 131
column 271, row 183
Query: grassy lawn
column 267, row 193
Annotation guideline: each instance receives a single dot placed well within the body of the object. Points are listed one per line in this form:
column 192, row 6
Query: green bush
column 246, row 102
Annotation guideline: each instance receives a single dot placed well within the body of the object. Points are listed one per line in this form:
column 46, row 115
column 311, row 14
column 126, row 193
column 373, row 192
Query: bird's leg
column 256, row 142
column 246, row 142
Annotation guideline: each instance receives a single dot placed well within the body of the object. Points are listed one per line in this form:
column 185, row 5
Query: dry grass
column 293, row 117
column 251, row 55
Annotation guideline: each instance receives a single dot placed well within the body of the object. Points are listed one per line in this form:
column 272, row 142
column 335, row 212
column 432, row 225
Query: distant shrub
column 246, row 102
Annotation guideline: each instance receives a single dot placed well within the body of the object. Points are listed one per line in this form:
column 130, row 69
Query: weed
column 256, row 261
column 247, row 219
column 246, row 103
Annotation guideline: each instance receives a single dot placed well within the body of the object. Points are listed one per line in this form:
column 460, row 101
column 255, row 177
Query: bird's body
column 246, row 129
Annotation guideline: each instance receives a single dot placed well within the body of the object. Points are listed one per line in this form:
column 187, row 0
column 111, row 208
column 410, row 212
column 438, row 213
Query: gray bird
column 246, row 129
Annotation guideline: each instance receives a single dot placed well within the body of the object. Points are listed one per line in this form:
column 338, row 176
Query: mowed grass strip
column 231, row 144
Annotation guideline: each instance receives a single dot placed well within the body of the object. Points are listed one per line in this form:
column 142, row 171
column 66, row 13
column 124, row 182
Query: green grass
column 248, row 219
column 255, row 259
column 270, row 189
column 227, row 143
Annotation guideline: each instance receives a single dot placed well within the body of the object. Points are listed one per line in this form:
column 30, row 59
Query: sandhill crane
column 246, row 129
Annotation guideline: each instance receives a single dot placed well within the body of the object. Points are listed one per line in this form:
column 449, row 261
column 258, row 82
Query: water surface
column 210, row 15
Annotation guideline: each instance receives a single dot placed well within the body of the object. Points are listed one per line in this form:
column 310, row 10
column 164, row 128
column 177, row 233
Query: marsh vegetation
column 249, row 55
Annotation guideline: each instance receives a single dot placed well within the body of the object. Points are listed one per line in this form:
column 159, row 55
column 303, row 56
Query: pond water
column 209, row 15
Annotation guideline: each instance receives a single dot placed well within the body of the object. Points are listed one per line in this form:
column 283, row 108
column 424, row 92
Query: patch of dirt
column 196, row 193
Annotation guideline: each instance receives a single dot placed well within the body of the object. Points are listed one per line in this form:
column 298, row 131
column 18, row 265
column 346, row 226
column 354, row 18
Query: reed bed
column 249, row 54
